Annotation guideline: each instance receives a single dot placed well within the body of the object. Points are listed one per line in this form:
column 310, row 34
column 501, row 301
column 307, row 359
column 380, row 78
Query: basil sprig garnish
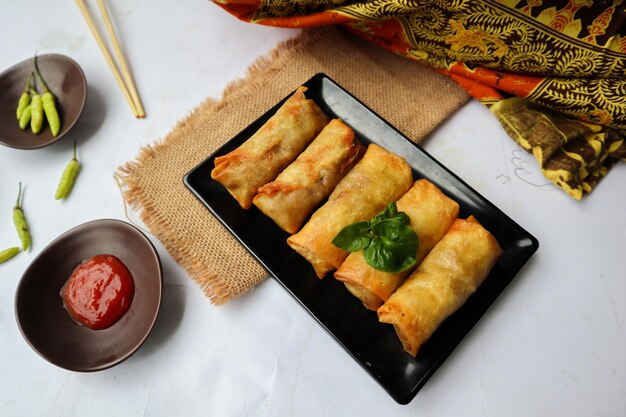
column 387, row 241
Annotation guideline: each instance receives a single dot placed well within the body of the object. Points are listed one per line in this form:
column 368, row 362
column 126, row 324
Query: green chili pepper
column 50, row 109
column 24, row 99
column 68, row 178
column 25, row 119
column 36, row 110
column 7, row 254
column 20, row 222
column 49, row 105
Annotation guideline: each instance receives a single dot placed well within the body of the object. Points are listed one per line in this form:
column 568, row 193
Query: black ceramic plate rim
column 93, row 223
column 405, row 396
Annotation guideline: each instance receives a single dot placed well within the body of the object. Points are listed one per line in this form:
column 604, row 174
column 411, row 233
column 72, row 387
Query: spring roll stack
column 299, row 161
column 274, row 146
column 377, row 179
column 303, row 185
column 431, row 214
column 446, row 278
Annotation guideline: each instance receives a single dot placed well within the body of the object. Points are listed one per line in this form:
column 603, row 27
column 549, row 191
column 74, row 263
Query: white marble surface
column 553, row 344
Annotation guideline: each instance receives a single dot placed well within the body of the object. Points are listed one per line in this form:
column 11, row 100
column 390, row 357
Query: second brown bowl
column 47, row 326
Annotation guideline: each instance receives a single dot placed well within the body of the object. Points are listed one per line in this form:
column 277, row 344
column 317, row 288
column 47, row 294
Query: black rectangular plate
column 372, row 344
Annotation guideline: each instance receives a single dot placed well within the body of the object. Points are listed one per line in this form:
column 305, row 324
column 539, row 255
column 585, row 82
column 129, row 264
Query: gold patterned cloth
column 571, row 153
column 553, row 72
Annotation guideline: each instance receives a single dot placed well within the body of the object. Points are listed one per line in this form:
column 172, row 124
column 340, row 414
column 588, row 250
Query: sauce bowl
column 48, row 327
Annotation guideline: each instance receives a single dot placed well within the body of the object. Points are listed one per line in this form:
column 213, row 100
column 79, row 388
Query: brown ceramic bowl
column 47, row 326
column 65, row 80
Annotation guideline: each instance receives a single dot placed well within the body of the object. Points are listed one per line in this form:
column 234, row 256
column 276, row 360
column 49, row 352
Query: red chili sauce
column 99, row 292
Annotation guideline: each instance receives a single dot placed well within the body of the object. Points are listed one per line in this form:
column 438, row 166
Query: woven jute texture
column 410, row 96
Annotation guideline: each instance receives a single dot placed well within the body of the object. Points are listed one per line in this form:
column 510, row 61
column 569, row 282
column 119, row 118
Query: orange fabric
column 535, row 50
column 474, row 87
column 548, row 70
column 515, row 84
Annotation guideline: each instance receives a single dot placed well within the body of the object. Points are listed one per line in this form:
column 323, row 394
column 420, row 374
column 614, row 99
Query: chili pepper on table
column 49, row 105
column 24, row 100
column 7, row 254
column 20, row 222
column 68, row 178
column 36, row 110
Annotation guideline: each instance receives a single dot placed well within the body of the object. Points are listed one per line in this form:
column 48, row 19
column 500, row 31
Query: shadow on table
column 509, row 292
column 89, row 123
column 93, row 115
column 170, row 315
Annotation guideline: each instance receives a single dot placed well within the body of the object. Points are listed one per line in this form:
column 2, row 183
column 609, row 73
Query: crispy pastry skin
column 268, row 151
column 444, row 280
column 431, row 214
column 303, row 185
column 377, row 179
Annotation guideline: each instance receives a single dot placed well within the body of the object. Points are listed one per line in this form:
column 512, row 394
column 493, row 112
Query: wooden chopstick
column 120, row 57
column 123, row 84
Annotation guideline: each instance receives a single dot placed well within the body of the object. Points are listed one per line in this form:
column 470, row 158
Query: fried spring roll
column 303, row 185
column 444, row 280
column 377, row 179
column 268, row 151
column 431, row 214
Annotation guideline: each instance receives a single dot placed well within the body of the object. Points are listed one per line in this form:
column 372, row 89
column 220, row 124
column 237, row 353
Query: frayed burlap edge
column 258, row 74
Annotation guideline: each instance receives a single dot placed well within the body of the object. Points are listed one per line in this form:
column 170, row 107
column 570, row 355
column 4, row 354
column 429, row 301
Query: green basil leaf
column 391, row 210
column 393, row 248
column 407, row 263
column 406, row 242
column 402, row 217
column 378, row 256
column 387, row 241
column 354, row 237
column 388, row 228
column 388, row 213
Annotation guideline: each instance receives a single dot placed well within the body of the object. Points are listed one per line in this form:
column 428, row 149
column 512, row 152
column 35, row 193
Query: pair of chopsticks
column 125, row 79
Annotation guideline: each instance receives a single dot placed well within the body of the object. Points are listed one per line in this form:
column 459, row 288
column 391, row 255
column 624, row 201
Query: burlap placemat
column 412, row 97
